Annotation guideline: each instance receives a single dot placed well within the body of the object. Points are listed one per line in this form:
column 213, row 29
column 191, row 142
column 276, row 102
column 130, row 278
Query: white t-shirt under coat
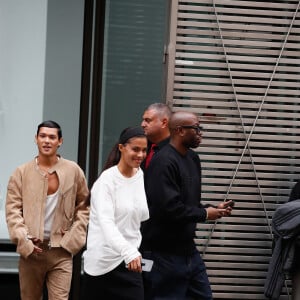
column 118, row 206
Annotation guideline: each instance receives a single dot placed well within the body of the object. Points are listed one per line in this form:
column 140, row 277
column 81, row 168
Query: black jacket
column 286, row 228
column 158, row 147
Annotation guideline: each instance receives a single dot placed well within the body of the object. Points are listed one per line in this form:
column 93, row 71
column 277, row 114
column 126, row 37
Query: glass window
column 133, row 65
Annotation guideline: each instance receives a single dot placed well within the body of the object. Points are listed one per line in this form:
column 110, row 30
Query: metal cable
column 255, row 121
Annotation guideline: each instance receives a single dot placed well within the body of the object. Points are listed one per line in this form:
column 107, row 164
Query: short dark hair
column 50, row 124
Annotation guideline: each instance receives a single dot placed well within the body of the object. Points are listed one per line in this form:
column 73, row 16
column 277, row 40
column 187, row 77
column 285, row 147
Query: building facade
column 93, row 66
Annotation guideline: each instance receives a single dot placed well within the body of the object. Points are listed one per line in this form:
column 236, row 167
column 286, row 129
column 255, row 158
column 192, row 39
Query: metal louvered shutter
column 237, row 65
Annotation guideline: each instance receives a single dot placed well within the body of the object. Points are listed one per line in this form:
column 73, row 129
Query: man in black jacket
column 173, row 188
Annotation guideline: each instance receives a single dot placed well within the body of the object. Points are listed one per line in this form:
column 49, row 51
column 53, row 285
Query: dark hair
column 128, row 133
column 50, row 124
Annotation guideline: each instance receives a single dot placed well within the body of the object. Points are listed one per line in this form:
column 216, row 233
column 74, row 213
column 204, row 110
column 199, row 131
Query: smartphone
column 231, row 204
column 147, row 264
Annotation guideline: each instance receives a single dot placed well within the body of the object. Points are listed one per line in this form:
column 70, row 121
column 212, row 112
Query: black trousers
column 118, row 284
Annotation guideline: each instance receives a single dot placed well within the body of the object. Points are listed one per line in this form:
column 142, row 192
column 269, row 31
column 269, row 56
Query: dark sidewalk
column 9, row 287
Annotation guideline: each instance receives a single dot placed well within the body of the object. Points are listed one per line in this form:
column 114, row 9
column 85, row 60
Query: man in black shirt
column 173, row 188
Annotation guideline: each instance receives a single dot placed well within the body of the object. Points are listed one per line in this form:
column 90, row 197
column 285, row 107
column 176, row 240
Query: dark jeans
column 117, row 284
column 176, row 277
column 296, row 286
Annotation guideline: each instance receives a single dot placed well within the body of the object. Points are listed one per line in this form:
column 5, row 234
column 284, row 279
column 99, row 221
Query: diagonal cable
column 255, row 121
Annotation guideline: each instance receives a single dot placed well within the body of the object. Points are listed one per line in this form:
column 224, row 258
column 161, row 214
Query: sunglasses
column 197, row 128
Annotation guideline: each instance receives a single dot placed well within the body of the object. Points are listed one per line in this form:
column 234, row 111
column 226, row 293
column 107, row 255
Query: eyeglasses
column 197, row 128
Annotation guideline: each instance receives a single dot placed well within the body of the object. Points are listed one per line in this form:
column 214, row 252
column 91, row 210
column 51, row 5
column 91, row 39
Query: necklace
column 45, row 171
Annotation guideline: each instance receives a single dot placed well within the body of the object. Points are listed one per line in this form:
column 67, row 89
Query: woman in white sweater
column 112, row 262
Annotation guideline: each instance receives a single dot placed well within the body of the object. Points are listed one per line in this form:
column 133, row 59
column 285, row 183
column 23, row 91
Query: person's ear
column 180, row 130
column 60, row 142
column 165, row 122
column 121, row 147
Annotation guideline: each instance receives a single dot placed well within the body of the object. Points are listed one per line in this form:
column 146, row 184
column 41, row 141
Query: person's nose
column 144, row 123
column 141, row 154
